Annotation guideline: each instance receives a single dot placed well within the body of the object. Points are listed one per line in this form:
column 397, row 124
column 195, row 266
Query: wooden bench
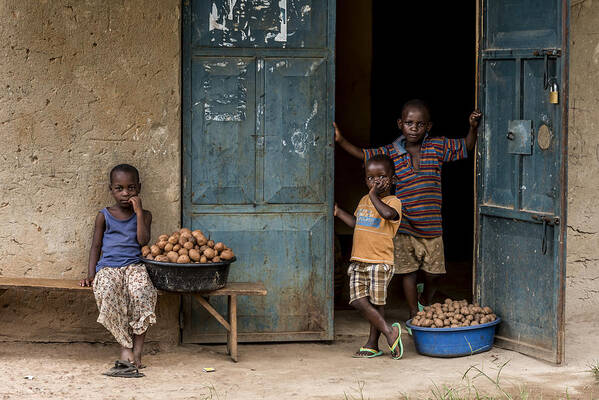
column 232, row 290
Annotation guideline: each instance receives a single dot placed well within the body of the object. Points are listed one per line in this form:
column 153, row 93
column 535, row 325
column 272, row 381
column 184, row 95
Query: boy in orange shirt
column 375, row 223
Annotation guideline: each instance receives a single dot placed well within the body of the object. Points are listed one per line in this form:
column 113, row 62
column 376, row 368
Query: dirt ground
column 291, row 371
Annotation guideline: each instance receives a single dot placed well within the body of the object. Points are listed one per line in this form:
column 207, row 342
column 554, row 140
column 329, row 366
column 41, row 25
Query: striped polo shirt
column 420, row 192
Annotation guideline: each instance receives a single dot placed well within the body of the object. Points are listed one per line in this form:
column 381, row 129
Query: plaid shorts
column 369, row 280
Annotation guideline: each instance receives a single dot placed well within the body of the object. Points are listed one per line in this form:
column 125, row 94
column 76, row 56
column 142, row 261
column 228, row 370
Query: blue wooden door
column 521, row 172
column 258, row 86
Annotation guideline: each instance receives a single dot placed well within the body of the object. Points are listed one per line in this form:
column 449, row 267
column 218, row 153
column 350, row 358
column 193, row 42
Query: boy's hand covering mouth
column 380, row 186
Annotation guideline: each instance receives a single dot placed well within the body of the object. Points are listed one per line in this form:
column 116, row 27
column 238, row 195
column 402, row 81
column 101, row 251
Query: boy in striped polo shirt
column 418, row 159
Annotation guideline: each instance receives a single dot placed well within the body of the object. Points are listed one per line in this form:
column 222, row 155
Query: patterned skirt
column 126, row 300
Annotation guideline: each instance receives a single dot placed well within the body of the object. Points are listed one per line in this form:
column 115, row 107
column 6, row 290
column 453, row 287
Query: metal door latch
column 546, row 220
column 519, row 134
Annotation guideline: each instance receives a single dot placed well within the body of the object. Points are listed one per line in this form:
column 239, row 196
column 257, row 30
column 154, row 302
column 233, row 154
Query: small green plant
column 594, row 369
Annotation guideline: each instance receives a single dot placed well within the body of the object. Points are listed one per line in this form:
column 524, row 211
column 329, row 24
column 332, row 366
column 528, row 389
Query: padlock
column 554, row 93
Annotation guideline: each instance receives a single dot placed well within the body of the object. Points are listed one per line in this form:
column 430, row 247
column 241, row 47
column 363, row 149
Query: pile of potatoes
column 186, row 246
column 453, row 314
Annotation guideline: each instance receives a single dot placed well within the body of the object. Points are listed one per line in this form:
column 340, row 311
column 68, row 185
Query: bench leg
column 232, row 335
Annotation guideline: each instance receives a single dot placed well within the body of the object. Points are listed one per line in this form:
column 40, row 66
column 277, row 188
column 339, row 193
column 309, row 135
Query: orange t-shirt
column 373, row 235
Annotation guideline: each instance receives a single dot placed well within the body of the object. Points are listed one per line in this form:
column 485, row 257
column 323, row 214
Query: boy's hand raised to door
column 475, row 118
column 338, row 136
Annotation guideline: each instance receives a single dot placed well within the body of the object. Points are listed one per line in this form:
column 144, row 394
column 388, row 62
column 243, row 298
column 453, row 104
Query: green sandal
column 419, row 290
column 396, row 343
column 373, row 353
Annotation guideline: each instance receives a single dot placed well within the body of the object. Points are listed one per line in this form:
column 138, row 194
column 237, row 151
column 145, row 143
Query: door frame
column 563, row 171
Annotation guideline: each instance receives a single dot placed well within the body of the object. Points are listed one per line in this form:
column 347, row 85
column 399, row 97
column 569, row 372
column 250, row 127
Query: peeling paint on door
column 260, row 23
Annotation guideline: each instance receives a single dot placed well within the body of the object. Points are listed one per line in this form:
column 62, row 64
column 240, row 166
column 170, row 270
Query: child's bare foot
column 127, row 354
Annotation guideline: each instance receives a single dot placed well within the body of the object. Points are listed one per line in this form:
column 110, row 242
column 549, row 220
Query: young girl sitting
column 124, row 293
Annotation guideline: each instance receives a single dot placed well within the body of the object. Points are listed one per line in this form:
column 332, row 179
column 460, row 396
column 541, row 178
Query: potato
column 211, row 244
column 216, row 259
column 168, row 247
column 203, row 259
column 177, row 247
column 448, row 301
column 416, row 322
column 464, row 311
column 209, row 253
column 154, row 250
column 429, row 315
column 196, row 247
column 182, row 240
column 474, row 323
column 172, row 256
column 188, row 245
column 161, row 244
column 469, row 317
column 421, row 314
column 446, row 322
column 220, row 246
column 197, row 232
column 150, row 257
column 201, row 239
column 438, row 322
column 194, row 254
column 183, row 259
column 186, row 234
column 487, row 310
column 454, row 326
column 493, row 317
column 161, row 258
column 145, row 251
column 176, row 234
column 173, row 240
column 185, row 230
column 183, row 251
column 227, row 254
column 162, row 238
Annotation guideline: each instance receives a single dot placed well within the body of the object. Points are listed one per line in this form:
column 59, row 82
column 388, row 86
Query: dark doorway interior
column 407, row 50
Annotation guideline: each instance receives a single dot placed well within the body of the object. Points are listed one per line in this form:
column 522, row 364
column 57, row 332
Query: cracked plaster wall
column 84, row 85
column 582, row 282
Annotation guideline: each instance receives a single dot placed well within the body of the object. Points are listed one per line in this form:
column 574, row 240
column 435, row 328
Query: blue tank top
column 119, row 244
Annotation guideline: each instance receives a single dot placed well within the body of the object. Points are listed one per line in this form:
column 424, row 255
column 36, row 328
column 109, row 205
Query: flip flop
column 123, row 369
column 373, row 353
column 419, row 290
column 396, row 343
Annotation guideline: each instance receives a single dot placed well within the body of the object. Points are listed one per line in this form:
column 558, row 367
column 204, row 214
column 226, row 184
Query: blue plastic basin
column 453, row 342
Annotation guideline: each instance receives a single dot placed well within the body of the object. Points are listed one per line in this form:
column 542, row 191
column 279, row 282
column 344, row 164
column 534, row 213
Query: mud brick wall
column 84, row 85
column 582, row 290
